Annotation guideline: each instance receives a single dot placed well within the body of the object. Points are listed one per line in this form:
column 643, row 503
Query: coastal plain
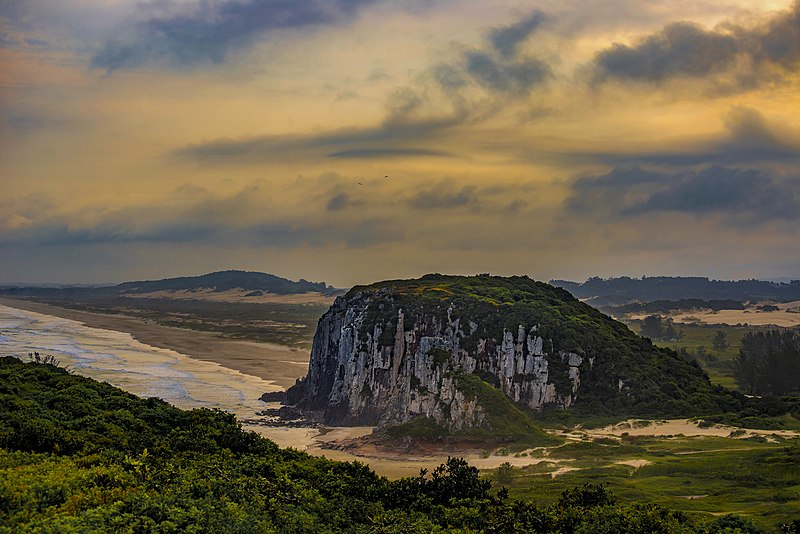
column 638, row 459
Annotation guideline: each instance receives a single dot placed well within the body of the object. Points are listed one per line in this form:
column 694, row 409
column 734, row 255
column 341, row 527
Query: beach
column 280, row 365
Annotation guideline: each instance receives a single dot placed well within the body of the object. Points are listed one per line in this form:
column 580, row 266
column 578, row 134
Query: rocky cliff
column 441, row 347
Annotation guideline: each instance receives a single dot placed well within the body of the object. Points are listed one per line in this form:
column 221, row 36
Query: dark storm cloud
column 687, row 50
column 751, row 194
column 207, row 31
column 507, row 39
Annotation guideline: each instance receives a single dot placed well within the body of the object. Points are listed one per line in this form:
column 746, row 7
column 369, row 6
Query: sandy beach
column 279, row 364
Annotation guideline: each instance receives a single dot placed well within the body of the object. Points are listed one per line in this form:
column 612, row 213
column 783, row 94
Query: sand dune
column 237, row 295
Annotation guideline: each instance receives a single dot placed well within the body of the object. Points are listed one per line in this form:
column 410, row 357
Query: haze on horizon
column 355, row 140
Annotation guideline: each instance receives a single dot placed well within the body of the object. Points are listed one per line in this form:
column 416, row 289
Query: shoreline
column 276, row 363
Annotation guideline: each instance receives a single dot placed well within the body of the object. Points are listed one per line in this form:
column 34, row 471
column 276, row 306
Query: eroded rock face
column 369, row 369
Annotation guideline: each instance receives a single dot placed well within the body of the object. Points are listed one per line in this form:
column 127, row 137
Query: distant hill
column 605, row 291
column 253, row 283
column 227, row 280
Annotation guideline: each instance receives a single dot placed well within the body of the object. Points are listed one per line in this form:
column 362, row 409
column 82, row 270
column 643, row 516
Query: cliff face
column 388, row 353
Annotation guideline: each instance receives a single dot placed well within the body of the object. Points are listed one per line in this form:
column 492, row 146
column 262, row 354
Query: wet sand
column 279, row 364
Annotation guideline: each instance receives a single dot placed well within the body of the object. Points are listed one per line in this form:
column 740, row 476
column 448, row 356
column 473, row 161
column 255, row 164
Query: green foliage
column 649, row 288
column 720, row 342
column 439, row 356
column 769, row 363
column 586, row 496
column 504, row 420
column 418, row 428
column 654, row 327
column 505, row 473
column 88, row 457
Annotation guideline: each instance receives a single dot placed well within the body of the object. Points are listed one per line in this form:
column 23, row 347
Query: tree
column 720, row 342
column 652, row 327
column 505, row 473
column 700, row 352
column 669, row 331
column 768, row 363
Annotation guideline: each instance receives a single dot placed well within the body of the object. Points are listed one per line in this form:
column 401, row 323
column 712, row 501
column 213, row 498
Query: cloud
column 498, row 66
column 414, row 114
column 507, row 39
column 723, row 189
column 388, row 140
column 372, row 153
column 246, row 217
column 209, row 31
column 339, row 201
column 749, row 139
column 515, row 206
column 505, row 76
column 680, row 49
column 444, row 196
column 747, row 194
column 687, row 50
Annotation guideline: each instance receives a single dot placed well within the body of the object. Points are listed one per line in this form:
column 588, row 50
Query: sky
column 349, row 141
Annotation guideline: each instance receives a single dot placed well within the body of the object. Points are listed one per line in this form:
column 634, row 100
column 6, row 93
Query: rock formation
column 390, row 352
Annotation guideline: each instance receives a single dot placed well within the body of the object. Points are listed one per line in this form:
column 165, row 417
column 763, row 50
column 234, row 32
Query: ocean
column 122, row 361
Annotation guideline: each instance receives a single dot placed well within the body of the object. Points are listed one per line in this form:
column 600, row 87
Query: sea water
column 122, row 361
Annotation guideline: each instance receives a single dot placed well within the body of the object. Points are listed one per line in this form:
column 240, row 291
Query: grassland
column 753, row 476
column 716, row 364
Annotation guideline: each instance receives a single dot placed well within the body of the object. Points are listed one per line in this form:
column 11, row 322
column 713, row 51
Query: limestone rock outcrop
column 391, row 352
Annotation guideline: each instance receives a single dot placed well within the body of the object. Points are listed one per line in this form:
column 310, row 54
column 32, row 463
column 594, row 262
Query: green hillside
column 77, row 455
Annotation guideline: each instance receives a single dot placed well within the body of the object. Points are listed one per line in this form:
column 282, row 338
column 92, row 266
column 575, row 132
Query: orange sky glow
column 355, row 140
